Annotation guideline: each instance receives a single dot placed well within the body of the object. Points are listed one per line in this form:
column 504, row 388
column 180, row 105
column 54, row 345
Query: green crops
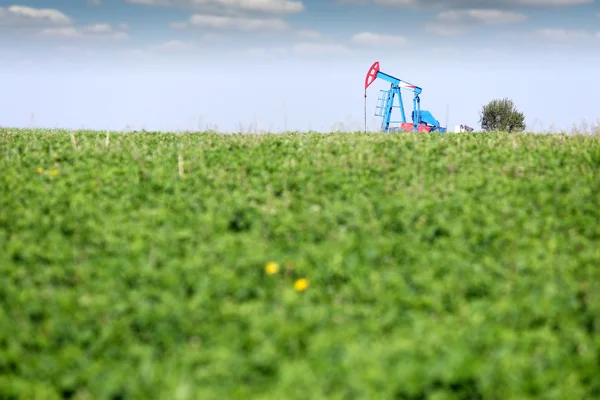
column 454, row 266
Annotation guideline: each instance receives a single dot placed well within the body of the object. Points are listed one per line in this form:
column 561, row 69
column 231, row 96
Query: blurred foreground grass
column 456, row 266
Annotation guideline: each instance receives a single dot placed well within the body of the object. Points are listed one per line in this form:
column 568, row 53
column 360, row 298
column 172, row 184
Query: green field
column 455, row 266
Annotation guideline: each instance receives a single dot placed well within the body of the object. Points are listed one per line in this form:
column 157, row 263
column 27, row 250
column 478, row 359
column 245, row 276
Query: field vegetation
column 299, row 266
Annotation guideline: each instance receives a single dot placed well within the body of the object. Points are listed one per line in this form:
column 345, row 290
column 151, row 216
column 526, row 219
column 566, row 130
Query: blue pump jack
column 422, row 120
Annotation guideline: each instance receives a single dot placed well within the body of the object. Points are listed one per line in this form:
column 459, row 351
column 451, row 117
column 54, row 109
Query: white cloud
column 301, row 49
column 212, row 37
column 378, row 39
column 52, row 23
column 64, row 32
column 444, row 30
column 232, row 23
column 309, row 34
column 173, row 46
column 179, row 25
column 487, row 16
column 267, row 6
column 94, row 3
column 560, row 34
column 552, row 2
column 459, row 22
column 320, row 49
column 87, row 31
column 150, row 2
column 451, row 4
column 396, row 3
column 98, row 28
column 252, row 52
column 22, row 15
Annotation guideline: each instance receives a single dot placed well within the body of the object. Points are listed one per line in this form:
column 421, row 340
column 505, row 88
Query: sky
column 293, row 65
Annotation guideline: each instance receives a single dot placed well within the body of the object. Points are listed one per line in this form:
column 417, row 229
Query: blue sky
column 257, row 65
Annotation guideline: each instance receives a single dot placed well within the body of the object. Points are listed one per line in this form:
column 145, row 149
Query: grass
column 455, row 266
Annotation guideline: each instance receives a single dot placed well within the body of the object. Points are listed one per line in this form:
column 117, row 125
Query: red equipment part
column 372, row 74
column 408, row 127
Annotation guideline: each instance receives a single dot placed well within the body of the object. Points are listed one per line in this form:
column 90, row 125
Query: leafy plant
column 206, row 266
column 501, row 115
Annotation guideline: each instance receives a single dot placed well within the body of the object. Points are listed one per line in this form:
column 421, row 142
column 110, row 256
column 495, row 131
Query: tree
column 501, row 115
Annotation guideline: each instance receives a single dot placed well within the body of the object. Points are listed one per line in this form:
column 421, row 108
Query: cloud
column 486, row 16
column 173, row 46
column 378, row 39
column 550, row 3
column 232, row 23
column 309, row 34
column 64, row 32
column 212, row 37
column 151, row 2
column 252, row 52
column 459, row 22
column 52, row 23
column 319, row 49
column 301, row 49
column 560, row 34
column 233, row 15
column 94, row 3
column 98, row 28
column 266, row 6
column 554, row 36
column 445, row 30
column 462, row 4
column 87, row 31
column 26, row 16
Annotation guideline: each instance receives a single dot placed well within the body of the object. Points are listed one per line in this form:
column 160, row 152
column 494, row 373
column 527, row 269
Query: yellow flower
column 39, row 170
column 301, row 284
column 54, row 172
column 271, row 268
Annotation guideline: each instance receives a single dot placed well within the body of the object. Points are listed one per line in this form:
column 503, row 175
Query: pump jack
column 423, row 121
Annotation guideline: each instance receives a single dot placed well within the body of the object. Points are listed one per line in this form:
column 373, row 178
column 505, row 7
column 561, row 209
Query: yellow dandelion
column 39, row 170
column 54, row 172
column 271, row 268
column 301, row 284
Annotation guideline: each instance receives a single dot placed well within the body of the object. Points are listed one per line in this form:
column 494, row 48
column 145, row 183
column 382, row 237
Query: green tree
column 501, row 115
